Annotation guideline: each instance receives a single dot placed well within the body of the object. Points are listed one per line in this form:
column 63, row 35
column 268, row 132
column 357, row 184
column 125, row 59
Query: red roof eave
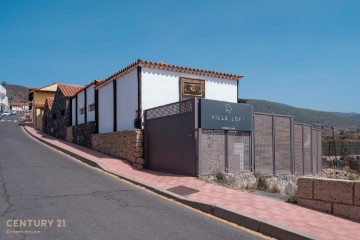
column 166, row 66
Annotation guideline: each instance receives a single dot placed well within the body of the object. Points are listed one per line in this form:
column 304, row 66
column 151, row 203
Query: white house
column 83, row 104
column 4, row 104
column 143, row 85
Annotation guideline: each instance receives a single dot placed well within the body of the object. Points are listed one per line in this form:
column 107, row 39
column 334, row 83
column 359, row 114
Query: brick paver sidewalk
column 286, row 215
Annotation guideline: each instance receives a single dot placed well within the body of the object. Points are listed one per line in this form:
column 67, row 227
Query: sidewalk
column 269, row 216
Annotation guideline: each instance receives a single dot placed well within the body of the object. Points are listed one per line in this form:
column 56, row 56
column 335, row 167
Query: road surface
column 45, row 194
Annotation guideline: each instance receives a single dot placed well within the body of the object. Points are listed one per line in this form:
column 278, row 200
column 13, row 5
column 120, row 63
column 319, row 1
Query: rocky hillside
column 16, row 93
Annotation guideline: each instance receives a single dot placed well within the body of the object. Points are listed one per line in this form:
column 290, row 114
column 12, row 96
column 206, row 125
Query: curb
column 239, row 218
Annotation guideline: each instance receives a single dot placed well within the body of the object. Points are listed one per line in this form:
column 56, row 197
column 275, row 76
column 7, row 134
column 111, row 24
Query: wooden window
column 190, row 88
column 82, row 111
column 92, row 107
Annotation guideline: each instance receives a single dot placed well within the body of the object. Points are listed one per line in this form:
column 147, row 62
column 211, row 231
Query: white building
column 4, row 103
column 83, row 104
column 143, row 85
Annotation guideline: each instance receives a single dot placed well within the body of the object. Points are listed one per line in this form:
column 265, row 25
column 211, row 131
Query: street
column 46, row 195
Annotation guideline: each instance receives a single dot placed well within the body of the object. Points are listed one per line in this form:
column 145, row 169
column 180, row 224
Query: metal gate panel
column 212, row 151
column 298, row 149
column 238, row 151
column 263, row 128
column 282, row 145
column 307, row 150
column 170, row 138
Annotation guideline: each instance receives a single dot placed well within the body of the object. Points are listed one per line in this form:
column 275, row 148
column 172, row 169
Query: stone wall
column 56, row 120
column 81, row 134
column 338, row 197
column 127, row 145
column 69, row 134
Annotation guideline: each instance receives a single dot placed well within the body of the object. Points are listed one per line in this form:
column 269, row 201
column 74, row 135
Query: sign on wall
column 225, row 116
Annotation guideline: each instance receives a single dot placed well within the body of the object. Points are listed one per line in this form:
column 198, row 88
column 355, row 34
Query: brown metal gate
column 170, row 143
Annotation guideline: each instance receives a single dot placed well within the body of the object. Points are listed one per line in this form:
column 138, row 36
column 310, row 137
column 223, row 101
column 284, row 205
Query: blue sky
column 302, row 53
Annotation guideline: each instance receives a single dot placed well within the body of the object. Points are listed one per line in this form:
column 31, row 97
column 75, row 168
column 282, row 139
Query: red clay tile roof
column 95, row 83
column 50, row 101
column 98, row 82
column 171, row 67
column 70, row 90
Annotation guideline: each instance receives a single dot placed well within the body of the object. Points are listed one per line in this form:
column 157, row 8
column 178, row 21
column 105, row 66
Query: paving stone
column 315, row 204
column 348, row 211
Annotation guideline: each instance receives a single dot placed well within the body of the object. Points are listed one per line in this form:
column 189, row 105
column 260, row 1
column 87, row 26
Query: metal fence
column 343, row 148
column 276, row 146
column 284, row 147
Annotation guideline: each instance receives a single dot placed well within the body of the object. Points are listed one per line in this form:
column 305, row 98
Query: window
column 54, row 116
column 62, row 112
column 190, row 88
column 82, row 111
column 91, row 107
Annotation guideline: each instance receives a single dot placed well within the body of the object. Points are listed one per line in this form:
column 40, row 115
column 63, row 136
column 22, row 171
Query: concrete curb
column 239, row 218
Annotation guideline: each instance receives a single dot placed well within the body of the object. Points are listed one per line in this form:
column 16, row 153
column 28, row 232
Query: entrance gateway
column 198, row 136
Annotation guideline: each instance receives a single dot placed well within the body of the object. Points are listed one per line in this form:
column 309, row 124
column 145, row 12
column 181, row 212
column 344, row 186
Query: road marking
column 149, row 191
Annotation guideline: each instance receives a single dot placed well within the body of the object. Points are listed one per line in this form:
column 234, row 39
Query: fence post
column 292, row 155
column 253, row 145
column 145, row 141
column 226, row 152
column 198, row 151
column 273, row 143
column 303, row 148
column 311, row 150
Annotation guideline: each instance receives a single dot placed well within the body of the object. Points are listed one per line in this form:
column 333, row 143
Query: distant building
column 37, row 98
column 4, row 103
column 20, row 106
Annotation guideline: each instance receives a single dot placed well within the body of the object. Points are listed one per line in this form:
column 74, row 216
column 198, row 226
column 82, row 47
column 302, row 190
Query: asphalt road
column 75, row 201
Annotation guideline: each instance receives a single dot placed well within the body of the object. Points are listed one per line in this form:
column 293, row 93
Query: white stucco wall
column 106, row 108
column 161, row 87
column 90, row 99
column 81, row 104
column 73, row 111
column 127, row 100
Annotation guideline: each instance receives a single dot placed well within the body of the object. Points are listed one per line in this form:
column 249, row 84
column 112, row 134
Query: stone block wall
column 69, row 134
column 128, row 145
column 81, row 134
column 338, row 197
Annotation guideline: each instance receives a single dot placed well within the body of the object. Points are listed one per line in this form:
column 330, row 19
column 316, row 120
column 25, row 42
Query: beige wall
column 37, row 113
column 50, row 88
column 38, row 118
column 40, row 97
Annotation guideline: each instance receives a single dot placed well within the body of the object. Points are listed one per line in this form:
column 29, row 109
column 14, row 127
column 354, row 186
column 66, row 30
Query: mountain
column 340, row 121
column 16, row 93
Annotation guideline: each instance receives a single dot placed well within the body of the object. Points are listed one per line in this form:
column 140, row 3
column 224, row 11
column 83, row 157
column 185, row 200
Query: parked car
column 7, row 113
column 13, row 112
